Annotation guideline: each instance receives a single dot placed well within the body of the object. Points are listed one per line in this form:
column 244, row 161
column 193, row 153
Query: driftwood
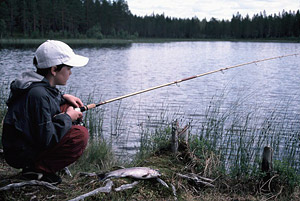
column 198, row 180
column 183, row 134
column 66, row 171
column 106, row 189
column 175, row 127
column 174, row 192
column 179, row 136
column 266, row 167
column 162, row 182
column 127, row 186
column 87, row 174
column 29, row 183
column 181, row 148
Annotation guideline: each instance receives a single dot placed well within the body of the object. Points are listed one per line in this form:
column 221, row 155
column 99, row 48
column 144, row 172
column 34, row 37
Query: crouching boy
column 39, row 135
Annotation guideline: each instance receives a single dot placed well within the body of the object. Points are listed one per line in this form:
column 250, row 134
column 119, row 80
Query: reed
column 233, row 139
column 93, row 120
column 97, row 157
column 155, row 133
column 99, row 152
column 3, row 107
column 239, row 137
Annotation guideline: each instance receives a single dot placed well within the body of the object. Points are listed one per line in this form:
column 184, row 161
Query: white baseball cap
column 53, row 52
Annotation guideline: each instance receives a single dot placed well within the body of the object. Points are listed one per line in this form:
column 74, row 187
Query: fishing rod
column 93, row 105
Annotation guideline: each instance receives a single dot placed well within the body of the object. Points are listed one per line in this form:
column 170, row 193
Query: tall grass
column 155, row 133
column 232, row 138
column 239, row 137
column 97, row 157
column 3, row 107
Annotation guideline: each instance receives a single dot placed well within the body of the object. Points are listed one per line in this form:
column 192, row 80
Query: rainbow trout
column 134, row 172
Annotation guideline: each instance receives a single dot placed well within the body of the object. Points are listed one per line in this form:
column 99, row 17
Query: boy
column 39, row 135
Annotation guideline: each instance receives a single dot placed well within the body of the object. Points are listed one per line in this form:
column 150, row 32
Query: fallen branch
column 200, row 177
column 67, row 172
column 197, row 179
column 162, row 182
column 106, row 189
column 174, row 192
column 29, row 183
column 274, row 197
column 87, row 174
column 268, row 183
column 127, row 186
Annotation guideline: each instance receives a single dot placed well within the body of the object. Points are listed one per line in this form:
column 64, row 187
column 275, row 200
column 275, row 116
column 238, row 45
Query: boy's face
column 62, row 76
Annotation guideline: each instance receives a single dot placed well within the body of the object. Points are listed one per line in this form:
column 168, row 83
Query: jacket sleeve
column 48, row 128
column 62, row 99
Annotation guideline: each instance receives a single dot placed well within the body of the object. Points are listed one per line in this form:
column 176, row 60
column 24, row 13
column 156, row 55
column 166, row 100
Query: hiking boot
column 51, row 178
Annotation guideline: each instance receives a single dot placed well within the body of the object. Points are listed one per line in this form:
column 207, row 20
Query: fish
column 133, row 172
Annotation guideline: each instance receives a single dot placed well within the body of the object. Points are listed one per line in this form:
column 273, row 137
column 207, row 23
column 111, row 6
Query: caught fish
column 134, row 172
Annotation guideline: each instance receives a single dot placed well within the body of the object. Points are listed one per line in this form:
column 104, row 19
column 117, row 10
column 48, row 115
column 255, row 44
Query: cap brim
column 77, row 61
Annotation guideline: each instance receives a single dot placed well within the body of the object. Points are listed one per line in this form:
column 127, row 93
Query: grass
column 227, row 148
column 3, row 107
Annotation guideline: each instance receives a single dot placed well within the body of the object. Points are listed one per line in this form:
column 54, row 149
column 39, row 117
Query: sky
column 219, row 9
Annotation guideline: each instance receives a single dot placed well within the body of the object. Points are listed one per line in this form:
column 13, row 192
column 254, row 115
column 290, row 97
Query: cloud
column 220, row 9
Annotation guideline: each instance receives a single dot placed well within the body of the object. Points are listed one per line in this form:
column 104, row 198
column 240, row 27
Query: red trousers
column 66, row 152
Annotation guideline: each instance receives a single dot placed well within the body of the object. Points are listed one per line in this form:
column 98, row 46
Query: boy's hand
column 73, row 113
column 72, row 100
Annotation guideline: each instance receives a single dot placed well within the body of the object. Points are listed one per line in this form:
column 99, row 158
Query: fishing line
column 93, row 105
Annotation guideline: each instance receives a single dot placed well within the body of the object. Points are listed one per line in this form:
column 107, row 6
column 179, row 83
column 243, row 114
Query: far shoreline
column 4, row 42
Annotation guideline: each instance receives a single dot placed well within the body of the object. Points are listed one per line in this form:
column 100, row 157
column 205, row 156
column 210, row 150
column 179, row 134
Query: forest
column 113, row 19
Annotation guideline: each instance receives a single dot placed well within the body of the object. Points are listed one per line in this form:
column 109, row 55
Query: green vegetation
column 35, row 42
column 100, row 19
column 3, row 108
column 226, row 148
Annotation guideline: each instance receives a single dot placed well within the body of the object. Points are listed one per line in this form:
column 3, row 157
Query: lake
column 117, row 70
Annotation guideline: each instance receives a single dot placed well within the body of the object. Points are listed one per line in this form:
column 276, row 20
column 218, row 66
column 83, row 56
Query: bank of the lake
column 6, row 42
column 214, row 186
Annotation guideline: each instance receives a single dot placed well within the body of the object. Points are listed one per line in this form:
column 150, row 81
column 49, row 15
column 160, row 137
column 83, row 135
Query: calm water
column 118, row 70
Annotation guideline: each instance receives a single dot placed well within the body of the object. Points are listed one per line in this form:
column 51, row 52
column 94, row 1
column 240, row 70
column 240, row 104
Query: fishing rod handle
column 85, row 107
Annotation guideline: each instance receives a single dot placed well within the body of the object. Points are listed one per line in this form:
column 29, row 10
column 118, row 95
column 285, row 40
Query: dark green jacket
column 33, row 122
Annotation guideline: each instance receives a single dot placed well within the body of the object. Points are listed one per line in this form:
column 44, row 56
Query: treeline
column 105, row 18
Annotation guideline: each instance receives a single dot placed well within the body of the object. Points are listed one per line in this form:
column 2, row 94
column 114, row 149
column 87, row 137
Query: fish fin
column 145, row 176
column 118, row 167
